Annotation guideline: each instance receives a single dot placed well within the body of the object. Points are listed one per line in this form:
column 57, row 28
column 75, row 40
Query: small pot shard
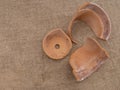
column 56, row 44
column 95, row 17
column 87, row 59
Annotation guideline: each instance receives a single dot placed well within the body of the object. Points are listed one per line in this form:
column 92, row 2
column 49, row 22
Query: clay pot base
column 95, row 17
column 87, row 59
column 56, row 44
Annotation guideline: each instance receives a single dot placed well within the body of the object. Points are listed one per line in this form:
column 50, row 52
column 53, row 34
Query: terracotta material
column 56, row 44
column 95, row 17
column 87, row 59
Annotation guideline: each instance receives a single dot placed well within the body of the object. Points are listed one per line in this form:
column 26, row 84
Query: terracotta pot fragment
column 56, row 44
column 95, row 17
column 87, row 59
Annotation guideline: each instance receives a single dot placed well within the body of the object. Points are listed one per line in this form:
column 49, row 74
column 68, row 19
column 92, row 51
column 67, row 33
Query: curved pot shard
column 95, row 17
column 56, row 44
column 87, row 59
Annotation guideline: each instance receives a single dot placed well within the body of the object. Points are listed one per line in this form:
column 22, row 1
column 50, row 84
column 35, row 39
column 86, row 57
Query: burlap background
column 24, row 65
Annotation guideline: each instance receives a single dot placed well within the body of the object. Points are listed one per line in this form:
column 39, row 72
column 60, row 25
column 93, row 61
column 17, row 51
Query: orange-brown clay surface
column 87, row 59
column 95, row 17
column 57, row 44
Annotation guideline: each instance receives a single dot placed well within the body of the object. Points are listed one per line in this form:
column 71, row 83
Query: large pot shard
column 56, row 44
column 87, row 59
column 95, row 17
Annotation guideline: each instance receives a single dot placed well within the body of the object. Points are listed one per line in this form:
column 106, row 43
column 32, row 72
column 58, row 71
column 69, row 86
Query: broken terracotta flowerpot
column 87, row 59
column 56, row 44
column 95, row 17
